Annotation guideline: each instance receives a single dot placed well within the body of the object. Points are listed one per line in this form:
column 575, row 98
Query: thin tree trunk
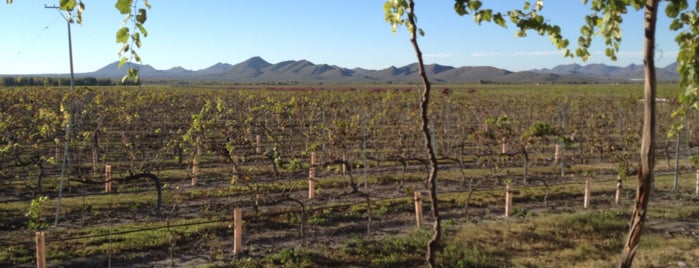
column 645, row 177
column 432, row 163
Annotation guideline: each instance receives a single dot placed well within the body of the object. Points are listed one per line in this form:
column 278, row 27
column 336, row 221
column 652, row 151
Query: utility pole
column 69, row 125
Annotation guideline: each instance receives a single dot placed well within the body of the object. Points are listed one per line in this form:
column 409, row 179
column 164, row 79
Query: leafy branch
column 131, row 39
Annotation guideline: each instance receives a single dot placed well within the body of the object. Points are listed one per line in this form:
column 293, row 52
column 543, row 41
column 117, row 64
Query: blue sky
column 198, row 34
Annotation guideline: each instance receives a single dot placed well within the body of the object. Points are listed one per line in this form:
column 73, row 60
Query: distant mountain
column 630, row 72
column 257, row 69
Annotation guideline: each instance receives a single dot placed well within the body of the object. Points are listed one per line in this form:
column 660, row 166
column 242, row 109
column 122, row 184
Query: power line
column 28, row 44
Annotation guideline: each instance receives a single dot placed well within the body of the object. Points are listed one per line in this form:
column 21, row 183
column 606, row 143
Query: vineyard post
column 195, row 162
column 508, row 200
column 237, row 231
column 418, row 208
column 325, row 129
column 368, row 214
column 40, row 249
column 108, row 178
column 195, row 170
column 676, row 181
column 560, row 162
column 258, row 148
column 58, row 149
column 587, row 193
column 562, row 122
column 364, row 167
column 311, row 176
column 557, row 155
column 617, row 197
column 94, row 160
column 344, row 163
column 311, row 182
column 503, row 151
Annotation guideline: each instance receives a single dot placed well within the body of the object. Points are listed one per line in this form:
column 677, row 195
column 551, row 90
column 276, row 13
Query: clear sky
column 198, row 34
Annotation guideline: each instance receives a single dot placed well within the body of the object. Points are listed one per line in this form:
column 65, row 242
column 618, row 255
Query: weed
column 289, row 257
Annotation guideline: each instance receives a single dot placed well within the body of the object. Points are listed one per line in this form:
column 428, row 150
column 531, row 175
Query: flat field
column 181, row 159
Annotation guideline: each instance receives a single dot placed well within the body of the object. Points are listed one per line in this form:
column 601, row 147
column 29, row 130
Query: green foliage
column 395, row 12
column 293, row 165
column 290, row 257
column 69, row 6
column 124, row 6
column 540, row 130
column 525, row 19
column 35, row 221
column 459, row 256
column 130, row 40
column 122, row 36
column 393, row 251
column 686, row 23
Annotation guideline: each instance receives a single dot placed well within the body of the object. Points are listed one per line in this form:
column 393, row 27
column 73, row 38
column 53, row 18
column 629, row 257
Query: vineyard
column 151, row 175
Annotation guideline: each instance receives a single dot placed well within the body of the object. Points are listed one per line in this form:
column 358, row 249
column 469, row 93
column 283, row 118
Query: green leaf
column 81, row 9
column 539, row 4
column 486, row 15
column 673, row 8
column 475, row 5
column 132, row 75
column 567, row 53
column 585, row 30
column 141, row 17
column 124, row 49
column 121, row 62
column 609, row 52
column 135, row 56
column 122, row 35
column 124, row 6
column 460, row 8
column 136, row 37
column 676, row 25
column 67, row 4
column 142, row 29
column 499, row 20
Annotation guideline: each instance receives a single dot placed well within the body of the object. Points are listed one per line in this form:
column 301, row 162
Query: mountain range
column 257, row 70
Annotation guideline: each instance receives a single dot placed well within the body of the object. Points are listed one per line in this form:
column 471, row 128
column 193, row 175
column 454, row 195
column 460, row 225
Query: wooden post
column 557, row 155
column 587, row 193
column 108, row 178
column 258, row 146
column 697, row 188
column 195, row 162
column 57, row 152
column 344, row 164
column 40, row 249
column 94, row 161
column 617, row 197
column 195, row 171
column 311, row 182
column 311, row 176
column 504, row 148
column 508, row 200
column 418, row 208
column 237, row 231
